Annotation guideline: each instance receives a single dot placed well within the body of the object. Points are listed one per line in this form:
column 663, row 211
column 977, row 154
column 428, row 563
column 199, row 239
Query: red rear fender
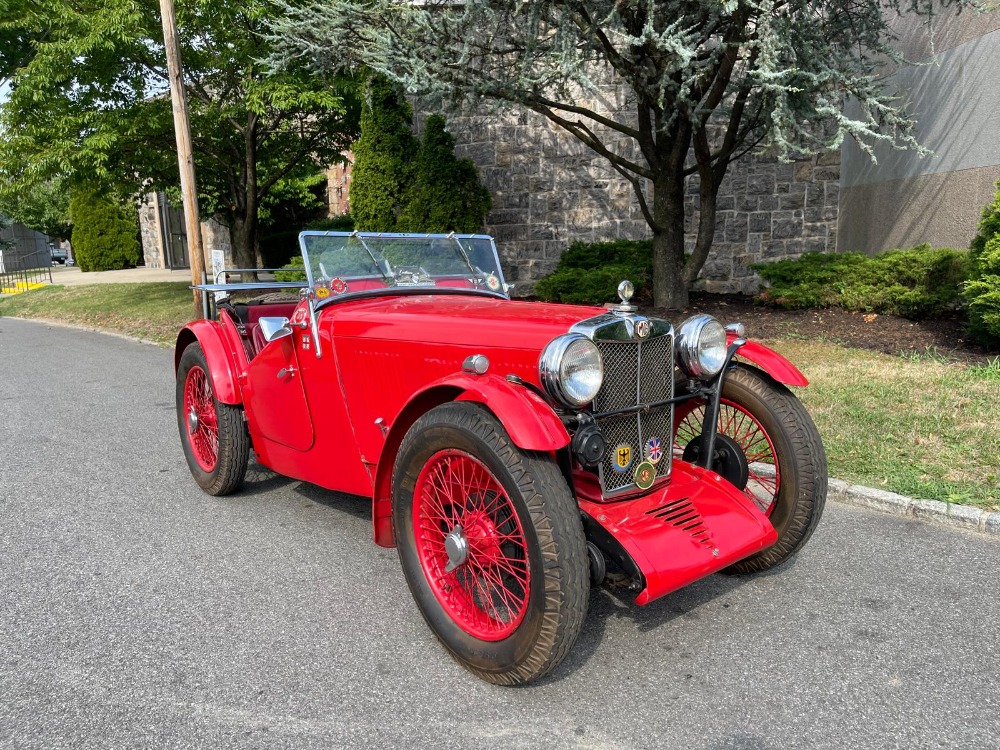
column 224, row 357
column 771, row 362
column 528, row 419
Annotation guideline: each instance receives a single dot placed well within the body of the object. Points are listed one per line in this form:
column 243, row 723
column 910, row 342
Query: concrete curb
column 934, row 511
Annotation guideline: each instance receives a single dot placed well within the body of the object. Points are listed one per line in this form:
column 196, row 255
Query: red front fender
column 220, row 355
column 771, row 362
column 528, row 419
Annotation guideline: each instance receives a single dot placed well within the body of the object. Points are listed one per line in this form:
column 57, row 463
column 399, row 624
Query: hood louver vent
column 683, row 515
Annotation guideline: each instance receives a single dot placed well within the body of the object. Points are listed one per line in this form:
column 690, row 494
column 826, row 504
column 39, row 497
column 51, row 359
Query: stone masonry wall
column 549, row 190
column 767, row 210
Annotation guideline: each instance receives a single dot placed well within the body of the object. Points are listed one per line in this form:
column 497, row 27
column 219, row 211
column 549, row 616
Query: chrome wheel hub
column 192, row 421
column 457, row 546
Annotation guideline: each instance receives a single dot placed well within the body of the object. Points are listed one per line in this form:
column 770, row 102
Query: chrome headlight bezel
column 552, row 370
column 702, row 346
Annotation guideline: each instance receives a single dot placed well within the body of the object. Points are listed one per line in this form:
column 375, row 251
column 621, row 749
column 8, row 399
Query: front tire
column 214, row 437
column 491, row 545
column 787, row 473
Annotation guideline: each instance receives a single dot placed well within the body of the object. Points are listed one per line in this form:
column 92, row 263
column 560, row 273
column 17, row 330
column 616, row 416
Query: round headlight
column 571, row 369
column 701, row 346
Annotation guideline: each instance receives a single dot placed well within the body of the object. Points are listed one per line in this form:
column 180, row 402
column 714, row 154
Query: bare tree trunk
column 670, row 290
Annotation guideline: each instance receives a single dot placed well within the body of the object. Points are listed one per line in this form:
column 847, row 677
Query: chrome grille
column 635, row 372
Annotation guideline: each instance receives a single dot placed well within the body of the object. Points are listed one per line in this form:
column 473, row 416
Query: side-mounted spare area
column 517, row 454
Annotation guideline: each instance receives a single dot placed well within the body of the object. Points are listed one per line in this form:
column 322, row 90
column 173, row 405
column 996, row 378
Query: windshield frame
column 461, row 253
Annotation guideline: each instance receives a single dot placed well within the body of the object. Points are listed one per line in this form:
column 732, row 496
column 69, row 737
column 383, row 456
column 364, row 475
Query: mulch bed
column 944, row 337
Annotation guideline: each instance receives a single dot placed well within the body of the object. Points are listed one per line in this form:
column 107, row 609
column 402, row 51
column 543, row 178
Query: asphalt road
column 137, row 612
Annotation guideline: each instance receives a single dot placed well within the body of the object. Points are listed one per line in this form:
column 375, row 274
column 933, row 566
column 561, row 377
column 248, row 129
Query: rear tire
column 214, row 436
column 512, row 607
column 764, row 417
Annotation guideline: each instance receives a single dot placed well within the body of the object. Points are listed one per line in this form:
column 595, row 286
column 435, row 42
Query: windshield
column 339, row 263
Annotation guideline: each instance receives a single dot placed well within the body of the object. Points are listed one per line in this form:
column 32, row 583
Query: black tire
column 557, row 592
column 225, row 474
column 801, row 460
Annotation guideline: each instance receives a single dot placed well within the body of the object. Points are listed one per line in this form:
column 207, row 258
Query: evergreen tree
column 383, row 158
column 446, row 195
column 104, row 237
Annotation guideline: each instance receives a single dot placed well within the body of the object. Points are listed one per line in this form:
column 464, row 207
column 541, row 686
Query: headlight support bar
column 710, row 427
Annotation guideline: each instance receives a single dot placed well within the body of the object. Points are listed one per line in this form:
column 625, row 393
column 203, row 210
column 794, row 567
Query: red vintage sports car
column 516, row 453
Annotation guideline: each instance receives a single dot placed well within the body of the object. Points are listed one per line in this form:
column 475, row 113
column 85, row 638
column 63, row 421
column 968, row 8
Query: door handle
column 284, row 372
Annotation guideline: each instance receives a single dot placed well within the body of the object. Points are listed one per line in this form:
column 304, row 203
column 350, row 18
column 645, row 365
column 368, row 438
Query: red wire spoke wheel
column 213, row 435
column 471, row 545
column 491, row 543
column 787, row 477
column 749, row 434
column 203, row 429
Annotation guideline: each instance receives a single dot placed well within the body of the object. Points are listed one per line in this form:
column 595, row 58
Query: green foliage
column 400, row 184
column 104, row 237
column 342, row 223
column 446, row 195
column 383, row 158
column 278, row 248
column 295, row 270
column 989, row 227
column 88, row 103
column 983, row 290
column 983, row 295
column 589, row 272
column 42, row 206
column 917, row 283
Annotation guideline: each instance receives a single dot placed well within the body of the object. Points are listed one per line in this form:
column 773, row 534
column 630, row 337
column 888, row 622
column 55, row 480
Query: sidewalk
column 73, row 276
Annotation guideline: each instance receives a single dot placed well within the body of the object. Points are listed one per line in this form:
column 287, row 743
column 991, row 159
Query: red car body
column 337, row 420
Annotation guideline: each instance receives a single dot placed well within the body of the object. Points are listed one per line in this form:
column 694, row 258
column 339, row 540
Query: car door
column 280, row 409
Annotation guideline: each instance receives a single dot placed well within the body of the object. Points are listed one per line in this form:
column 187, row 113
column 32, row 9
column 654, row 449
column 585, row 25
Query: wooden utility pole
column 182, row 128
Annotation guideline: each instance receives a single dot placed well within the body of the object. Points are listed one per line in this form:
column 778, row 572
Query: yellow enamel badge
column 623, row 457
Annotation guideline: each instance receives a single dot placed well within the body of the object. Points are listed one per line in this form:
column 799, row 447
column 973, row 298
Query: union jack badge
column 653, row 451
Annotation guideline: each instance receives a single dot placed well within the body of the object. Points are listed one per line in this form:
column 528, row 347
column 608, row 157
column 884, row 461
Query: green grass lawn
column 153, row 311
column 923, row 427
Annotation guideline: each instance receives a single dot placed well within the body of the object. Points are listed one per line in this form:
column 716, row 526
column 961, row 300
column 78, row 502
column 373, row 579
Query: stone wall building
column 550, row 190
column 164, row 237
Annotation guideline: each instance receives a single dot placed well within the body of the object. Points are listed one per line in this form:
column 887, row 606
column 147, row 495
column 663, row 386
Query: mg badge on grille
column 643, row 328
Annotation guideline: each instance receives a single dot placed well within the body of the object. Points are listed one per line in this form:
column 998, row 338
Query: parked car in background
column 516, row 453
column 59, row 255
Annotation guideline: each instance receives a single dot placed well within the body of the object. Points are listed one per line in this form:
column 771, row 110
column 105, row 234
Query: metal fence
column 22, row 271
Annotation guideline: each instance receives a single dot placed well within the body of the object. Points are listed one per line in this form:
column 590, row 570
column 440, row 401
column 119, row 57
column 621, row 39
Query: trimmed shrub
column 983, row 295
column 447, row 195
column 589, row 272
column 917, row 283
column 983, row 290
column 989, row 227
column 104, row 237
column 294, row 270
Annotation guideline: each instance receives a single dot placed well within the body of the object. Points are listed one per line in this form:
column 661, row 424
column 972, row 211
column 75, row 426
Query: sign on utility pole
column 185, row 159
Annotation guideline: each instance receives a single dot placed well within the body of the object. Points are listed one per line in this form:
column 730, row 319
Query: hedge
column 917, row 283
column 589, row 272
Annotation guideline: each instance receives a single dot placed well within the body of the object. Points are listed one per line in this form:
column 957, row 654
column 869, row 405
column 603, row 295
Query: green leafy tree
column 705, row 82
column 90, row 103
column 446, row 194
column 383, row 158
column 105, row 238
column 42, row 206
